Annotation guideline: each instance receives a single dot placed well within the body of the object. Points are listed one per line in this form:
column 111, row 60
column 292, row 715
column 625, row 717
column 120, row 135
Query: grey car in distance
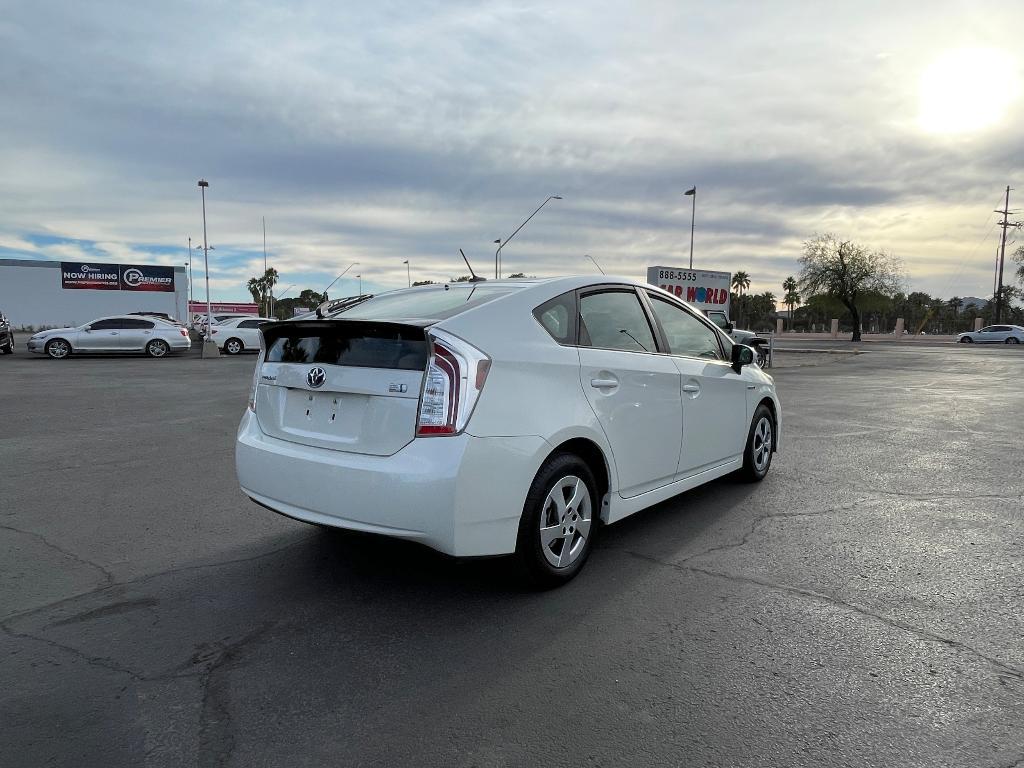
column 111, row 335
column 994, row 334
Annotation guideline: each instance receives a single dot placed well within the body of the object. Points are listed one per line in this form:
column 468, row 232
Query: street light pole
column 360, row 279
column 588, row 256
column 203, row 183
column 692, row 192
column 408, row 272
column 497, row 253
column 190, row 273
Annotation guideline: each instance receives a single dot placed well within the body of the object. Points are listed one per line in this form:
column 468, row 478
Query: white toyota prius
column 500, row 417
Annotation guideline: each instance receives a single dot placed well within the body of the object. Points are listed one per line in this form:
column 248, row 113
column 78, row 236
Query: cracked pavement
column 864, row 606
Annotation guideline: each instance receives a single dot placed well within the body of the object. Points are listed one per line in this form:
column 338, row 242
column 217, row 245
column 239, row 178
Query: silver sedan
column 119, row 333
column 994, row 334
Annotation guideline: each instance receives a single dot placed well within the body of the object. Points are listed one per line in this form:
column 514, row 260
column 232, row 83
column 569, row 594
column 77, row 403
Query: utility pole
column 1005, row 224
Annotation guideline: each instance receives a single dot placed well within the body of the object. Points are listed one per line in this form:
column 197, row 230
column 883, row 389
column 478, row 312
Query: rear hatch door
column 345, row 385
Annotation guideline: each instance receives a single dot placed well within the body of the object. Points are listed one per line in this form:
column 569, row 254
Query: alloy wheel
column 157, row 348
column 565, row 521
column 762, row 448
column 233, row 347
column 58, row 349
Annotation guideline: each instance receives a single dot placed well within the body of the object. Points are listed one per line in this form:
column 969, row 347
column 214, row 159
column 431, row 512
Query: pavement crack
column 758, row 521
column 108, row 577
column 112, row 586
column 95, row 661
column 216, row 739
column 1004, row 669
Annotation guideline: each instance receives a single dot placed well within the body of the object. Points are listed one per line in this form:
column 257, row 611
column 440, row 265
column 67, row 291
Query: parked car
column 239, row 334
column 6, row 335
column 501, row 417
column 119, row 333
column 200, row 321
column 993, row 334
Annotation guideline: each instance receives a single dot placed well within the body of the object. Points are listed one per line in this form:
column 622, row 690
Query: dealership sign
column 700, row 287
column 116, row 277
column 223, row 307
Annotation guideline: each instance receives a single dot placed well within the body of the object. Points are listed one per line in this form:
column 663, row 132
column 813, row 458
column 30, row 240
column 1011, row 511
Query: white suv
column 501, row 417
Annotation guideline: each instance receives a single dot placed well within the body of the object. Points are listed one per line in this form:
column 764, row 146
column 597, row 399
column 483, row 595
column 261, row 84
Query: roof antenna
column 473, row 278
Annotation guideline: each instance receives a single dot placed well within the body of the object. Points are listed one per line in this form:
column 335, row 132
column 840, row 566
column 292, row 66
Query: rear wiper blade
column 340, row 305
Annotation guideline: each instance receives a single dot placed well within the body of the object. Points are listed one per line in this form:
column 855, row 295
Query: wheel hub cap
column 565, row 521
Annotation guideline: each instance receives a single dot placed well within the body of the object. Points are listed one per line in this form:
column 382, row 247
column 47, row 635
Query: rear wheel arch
column 593, row 456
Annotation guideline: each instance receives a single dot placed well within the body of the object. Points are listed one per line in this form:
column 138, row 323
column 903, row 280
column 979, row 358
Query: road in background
column 861, row 607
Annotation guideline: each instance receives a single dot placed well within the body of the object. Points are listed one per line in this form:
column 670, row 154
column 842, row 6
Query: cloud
column 389, row 131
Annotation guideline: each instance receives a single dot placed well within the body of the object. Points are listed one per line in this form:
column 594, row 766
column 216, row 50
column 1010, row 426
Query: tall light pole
column 497, row 253
column 360, row 279
column 190, row 273
column 588, row 256
column 408, row 272
column 207, row 352
column 692, row 192
column 338, row 278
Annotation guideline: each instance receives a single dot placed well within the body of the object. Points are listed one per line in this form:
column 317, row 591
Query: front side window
column 106, row 325
column 685, row 334
column 615, row 320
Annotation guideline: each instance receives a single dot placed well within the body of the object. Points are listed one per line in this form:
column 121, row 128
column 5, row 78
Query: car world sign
column 116, row 277
column 700, row 287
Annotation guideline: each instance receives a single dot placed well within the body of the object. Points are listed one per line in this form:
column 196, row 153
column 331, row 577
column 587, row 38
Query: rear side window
column 251, row 323
column 132, row 323
column 362, row 345
column 615, row 320
column 558, row 316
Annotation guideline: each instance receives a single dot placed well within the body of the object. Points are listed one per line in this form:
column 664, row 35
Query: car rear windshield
column 436, row 302
column 358, row 344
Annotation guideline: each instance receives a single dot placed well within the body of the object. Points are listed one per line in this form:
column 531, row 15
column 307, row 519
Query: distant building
column 61, row 293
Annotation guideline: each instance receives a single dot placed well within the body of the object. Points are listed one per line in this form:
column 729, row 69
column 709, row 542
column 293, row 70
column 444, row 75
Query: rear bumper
column 459, row 495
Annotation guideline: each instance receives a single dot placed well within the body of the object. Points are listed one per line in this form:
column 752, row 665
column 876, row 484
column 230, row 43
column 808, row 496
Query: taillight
column 183, row 332
column 456, row 373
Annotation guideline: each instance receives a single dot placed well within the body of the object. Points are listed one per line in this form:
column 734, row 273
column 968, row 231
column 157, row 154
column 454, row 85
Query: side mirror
column 741, row 355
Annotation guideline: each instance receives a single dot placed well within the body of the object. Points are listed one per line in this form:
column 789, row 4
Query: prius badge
column 316, row 377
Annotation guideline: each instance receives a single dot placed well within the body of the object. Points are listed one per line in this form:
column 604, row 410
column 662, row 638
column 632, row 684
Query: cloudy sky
column 383, row 131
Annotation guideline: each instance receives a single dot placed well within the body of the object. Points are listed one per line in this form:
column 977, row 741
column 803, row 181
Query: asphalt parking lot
column 864, row 606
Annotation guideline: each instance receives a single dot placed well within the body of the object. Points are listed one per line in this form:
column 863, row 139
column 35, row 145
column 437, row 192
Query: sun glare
column 967, row 90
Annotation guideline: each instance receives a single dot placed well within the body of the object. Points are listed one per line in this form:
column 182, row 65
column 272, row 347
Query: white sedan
column 501, row 417
column 994, row 334
column 238, row 334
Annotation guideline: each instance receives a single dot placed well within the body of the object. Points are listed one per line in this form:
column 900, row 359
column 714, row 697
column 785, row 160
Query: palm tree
column 740, row 282
column 792, row 297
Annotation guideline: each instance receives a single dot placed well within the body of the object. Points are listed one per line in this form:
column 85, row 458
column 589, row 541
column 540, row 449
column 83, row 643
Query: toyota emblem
column 316, row 377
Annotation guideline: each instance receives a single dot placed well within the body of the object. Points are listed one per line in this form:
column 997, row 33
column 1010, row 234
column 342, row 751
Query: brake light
column 456, row 373
column 183, row 332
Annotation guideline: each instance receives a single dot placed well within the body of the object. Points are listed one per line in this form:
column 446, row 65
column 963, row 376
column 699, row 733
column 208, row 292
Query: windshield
column 435, row 302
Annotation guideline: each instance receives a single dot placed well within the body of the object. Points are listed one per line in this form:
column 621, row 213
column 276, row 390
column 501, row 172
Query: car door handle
column 604, row 383
column 691, row 387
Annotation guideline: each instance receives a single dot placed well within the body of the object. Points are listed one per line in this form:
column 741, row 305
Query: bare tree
column 845, row 271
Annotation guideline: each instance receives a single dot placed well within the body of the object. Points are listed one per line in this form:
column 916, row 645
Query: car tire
column 157, row 348
column 58, row 349
column 966, row 340
column 547, row 527
column 757, row 455
column 233, row 346
column 1013, row 340
column 9, row 348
